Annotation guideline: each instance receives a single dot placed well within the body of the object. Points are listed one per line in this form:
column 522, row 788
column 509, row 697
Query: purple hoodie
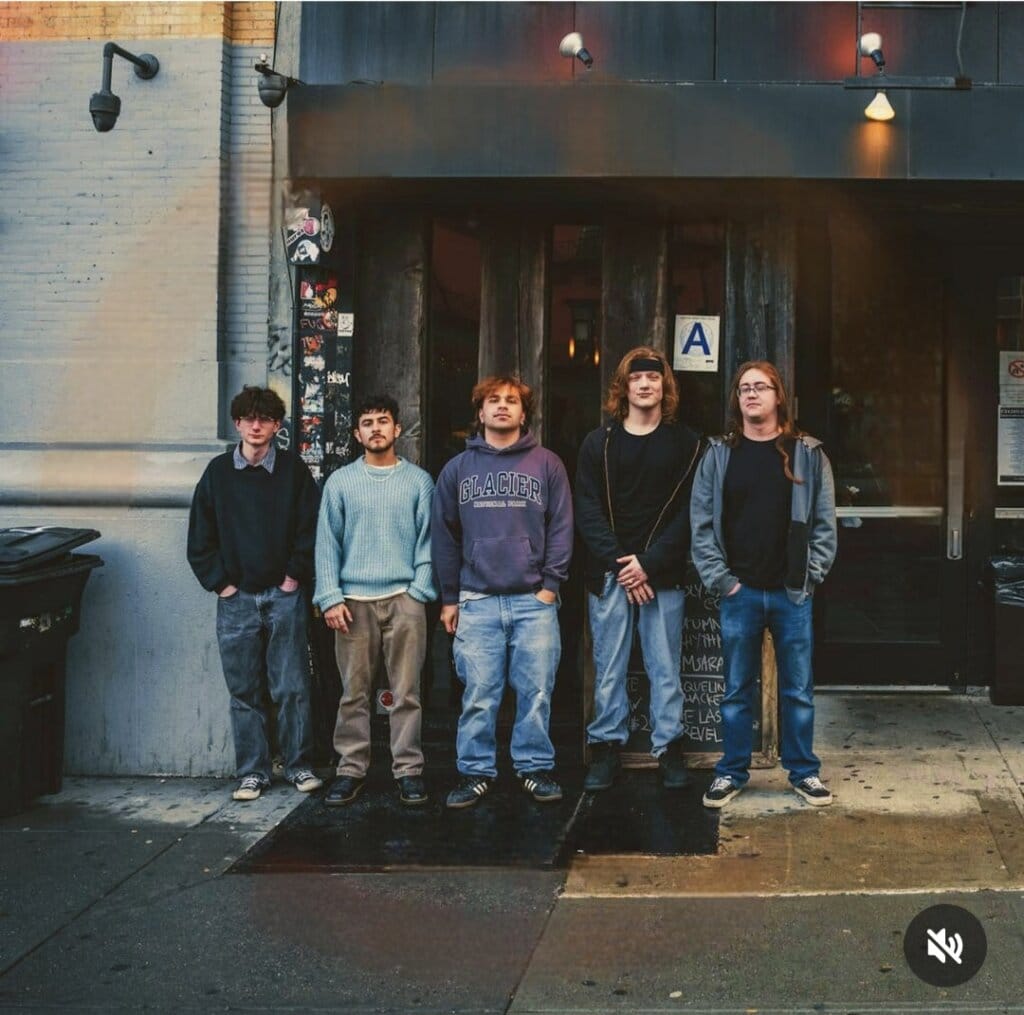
column 502, row 520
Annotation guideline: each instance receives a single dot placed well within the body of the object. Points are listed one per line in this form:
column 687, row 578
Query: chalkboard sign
column 702, row 674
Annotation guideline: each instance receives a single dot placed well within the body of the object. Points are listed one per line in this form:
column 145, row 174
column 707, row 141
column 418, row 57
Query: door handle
column 954, row 549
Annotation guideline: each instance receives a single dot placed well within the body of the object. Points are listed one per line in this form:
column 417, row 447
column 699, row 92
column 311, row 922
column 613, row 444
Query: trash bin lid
column 63, row 567
column 27, row 548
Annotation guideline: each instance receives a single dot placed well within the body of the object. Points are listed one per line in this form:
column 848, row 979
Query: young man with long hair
column 764, row 535
column 502, row 541
column 250, row 539
column 632, row 509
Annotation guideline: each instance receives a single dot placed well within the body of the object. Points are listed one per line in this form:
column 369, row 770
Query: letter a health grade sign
column 696, row 344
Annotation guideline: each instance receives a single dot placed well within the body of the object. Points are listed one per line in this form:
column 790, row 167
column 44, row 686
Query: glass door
column 891, row 611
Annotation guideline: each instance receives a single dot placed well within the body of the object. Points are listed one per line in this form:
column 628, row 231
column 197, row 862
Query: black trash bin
column 41, row 585
column 1007, row 575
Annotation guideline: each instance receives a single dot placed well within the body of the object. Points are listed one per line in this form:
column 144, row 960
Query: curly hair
column 487, row 386
column 256, row 401
column 734, row 420
column 375, row 404
column 616, row 403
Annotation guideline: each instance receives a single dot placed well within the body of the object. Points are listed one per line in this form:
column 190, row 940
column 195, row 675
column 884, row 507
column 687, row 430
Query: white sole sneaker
column 247, row 794
column 814, row 801
column 308, row 785
column 722, row 801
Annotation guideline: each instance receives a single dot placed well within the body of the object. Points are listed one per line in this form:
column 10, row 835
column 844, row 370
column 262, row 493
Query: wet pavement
column 114, row 894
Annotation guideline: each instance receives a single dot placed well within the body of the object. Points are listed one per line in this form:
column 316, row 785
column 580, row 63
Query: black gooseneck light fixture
column 105, row 106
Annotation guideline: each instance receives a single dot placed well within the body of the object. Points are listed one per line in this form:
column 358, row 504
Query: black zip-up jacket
column 667, row 542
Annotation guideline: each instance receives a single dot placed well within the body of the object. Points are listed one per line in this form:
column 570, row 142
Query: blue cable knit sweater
column 373, row 535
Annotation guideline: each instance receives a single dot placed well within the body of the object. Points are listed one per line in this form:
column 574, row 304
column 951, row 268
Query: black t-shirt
column 757, row 502
column 646, row 469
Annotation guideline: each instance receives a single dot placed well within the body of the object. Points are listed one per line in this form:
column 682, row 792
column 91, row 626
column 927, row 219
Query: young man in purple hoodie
column 501, row 533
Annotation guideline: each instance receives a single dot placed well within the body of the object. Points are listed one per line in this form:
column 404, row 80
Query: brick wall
column 133, row 281
column 240, row 23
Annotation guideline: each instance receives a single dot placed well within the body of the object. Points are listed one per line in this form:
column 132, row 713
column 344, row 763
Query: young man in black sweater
column 251, row 534
column 632, row 510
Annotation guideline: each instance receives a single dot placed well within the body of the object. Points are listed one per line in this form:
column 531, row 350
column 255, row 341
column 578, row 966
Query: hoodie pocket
column 504, row 564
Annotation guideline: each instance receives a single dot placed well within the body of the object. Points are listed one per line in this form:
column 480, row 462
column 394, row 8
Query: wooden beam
column 388, row 355
column 634, row 286
column 513, row 306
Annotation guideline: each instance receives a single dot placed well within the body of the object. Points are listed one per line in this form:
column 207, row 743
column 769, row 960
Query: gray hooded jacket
column 812, row 538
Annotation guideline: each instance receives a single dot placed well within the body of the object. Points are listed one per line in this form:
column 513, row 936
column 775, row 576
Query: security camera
column 273, row 88
column 104, row 107
column 572, row 45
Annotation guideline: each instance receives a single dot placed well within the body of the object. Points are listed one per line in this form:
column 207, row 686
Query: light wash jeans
column 499, row 639
column 661, row 639
column 263, row 644
column 745, row 615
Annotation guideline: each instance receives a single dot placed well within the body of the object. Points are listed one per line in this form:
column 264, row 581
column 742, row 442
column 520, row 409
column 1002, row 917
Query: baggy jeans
column 396, row 627
column 661, row 639
column 263, row 636
column 745, row 615
column 503, row 639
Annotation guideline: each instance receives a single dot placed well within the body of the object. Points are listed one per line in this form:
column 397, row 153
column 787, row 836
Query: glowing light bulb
column 879, row 108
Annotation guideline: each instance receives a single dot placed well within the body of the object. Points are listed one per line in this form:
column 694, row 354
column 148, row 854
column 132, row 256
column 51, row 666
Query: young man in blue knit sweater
column 373, row 576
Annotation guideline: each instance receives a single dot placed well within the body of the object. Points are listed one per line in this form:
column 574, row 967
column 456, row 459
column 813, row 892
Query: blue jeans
column 745, row 615
column 499, row 639
column 661, row 639
column 263, row 644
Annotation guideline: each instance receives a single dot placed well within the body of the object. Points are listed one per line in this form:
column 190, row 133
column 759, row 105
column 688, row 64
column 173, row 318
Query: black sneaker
column 814, row 791
column 343, row 791
column 412, row 791
column 541, row 786
column 604, row 766
column 673, row 767
column 721, row 791
column 469, row 791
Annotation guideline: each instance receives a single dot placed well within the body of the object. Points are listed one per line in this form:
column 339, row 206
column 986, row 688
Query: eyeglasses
column 258, row 419
column 749, row 389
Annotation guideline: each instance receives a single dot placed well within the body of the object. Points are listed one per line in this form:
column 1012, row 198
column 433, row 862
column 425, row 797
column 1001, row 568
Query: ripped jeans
column 503, row 639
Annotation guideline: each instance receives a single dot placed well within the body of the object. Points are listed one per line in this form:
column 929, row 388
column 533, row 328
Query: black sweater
column 249, row 527
column 666, row 542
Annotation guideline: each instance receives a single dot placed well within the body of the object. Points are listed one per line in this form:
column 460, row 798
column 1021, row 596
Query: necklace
column 374, row 471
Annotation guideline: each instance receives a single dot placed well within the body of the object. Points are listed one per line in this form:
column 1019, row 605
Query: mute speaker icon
column 942, row 947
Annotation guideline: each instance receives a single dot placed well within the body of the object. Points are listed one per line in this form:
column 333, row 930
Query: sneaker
column 541, row 786
column 343, row 791
column 721, row 791
column 305, row 781
column 412, row 791
column 814, row 791
column 469, row 791
column 604, row 766
column 672, row 766
column 250, row 788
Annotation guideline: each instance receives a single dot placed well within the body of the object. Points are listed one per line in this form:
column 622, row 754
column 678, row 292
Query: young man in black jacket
column 251, row 534
column 632, row 510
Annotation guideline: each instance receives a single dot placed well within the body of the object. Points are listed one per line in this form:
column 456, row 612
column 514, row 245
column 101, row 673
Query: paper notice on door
column 1011, row 377
column 1010, row 467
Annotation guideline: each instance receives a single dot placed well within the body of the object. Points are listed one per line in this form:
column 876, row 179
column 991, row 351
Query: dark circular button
column 945, row 945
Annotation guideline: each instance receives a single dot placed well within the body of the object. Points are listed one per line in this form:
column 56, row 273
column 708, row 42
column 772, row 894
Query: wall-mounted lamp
column 273, row 86
column 105, row 106
column 879, row 108
column 572, row 46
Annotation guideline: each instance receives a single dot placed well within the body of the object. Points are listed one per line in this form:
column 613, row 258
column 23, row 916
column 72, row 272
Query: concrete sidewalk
column 113, row 895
